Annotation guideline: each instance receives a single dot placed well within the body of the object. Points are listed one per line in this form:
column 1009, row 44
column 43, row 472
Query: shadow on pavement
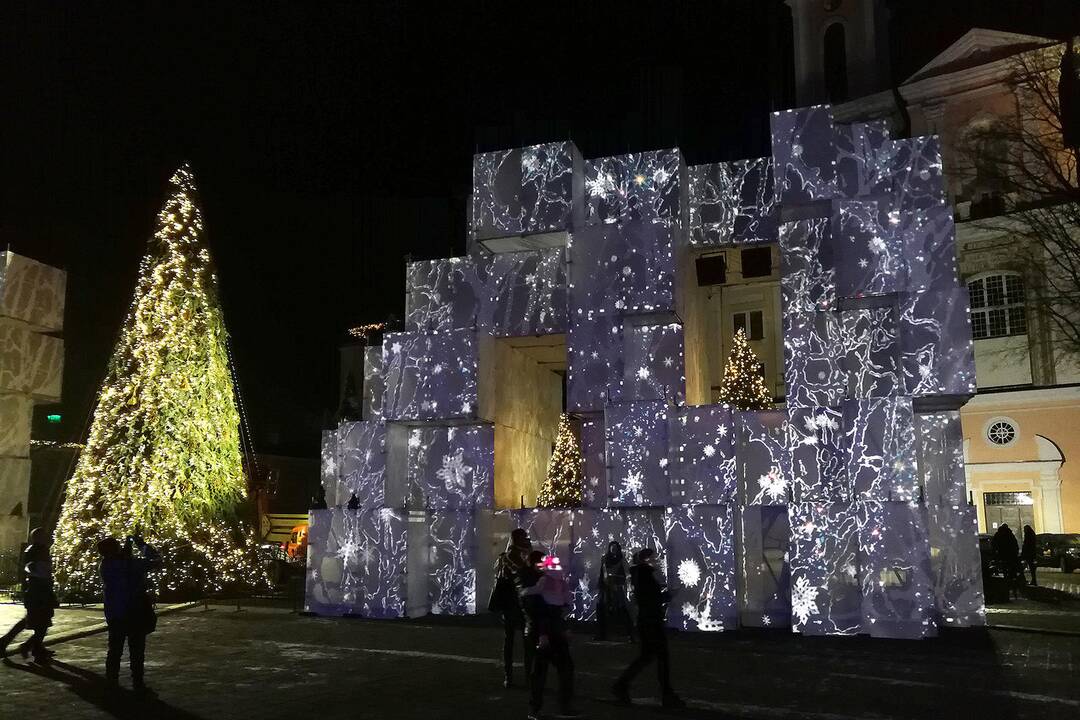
column 91, row 687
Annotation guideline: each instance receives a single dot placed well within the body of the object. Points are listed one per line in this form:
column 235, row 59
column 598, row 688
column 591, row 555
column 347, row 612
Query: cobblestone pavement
column 266, row 663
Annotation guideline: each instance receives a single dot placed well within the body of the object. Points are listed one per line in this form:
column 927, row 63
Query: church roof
column 979, row 46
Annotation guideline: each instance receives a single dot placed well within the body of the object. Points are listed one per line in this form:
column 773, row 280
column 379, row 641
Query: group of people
column 533, row 597
column 1012, row 558
column 129, row 609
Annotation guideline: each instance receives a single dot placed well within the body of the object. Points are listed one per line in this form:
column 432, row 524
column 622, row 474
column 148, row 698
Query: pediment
column 977, row 47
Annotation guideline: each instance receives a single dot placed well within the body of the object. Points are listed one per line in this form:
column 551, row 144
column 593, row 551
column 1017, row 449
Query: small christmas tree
column 163, row 457
column 743, row 387
column 563, row 484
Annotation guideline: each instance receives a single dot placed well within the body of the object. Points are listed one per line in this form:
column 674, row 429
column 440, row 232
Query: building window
column 836, row 70
column 1001, row 432
column 997, row 306
column 751, row 322
column 756, row 262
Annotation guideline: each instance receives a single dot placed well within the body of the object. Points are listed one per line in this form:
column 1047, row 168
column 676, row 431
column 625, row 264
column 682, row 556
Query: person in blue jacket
column 129, row 611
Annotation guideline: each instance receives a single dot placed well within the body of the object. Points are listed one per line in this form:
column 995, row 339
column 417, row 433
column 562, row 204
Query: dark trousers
column 557, row 653
column 34, row 644
column 513, row 627
column 119, row 632
column 653, row 647
column 1031, row 568
column 603, row 613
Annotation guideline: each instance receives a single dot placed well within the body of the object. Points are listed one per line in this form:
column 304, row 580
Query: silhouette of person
column 549, row 599
column 611, row 591
column 1006, row 551
column 652, row 597
column 39, row 599
column 505, row 600
column 129, row 610
column 1029, row 551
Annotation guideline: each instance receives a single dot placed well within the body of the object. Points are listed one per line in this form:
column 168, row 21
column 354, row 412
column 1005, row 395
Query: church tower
column 841, row 49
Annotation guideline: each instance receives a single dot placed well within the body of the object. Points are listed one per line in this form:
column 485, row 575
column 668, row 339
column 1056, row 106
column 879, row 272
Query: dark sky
column 329, row 140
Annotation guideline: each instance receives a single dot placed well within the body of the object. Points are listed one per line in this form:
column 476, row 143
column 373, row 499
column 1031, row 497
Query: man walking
column 652, row 598
column 38, row 599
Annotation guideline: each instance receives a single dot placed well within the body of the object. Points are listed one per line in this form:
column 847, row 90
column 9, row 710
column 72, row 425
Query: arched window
column 836, row 70
column 997, row 306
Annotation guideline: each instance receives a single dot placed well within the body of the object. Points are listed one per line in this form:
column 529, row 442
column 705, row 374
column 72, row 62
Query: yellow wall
column 1053, row 414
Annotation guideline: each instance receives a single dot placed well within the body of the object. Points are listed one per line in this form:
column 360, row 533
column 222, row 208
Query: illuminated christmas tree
column 163, row 456
column 563, row 484
column 743, row 386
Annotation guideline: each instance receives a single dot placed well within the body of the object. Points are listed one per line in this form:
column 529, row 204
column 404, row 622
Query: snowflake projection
column 708, row 451
column 454, row 472
column 689, row 573
column 803, row 599
column 414, row 439
column 702, row 619
column 773, row 485
column 766, row 620
column 643, row 373
column 633, row 483
column 348, row 550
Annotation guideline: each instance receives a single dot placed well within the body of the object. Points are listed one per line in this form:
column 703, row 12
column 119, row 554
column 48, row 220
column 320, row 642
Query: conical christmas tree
column 162, row 459
column 743, row 387
column 563, row 484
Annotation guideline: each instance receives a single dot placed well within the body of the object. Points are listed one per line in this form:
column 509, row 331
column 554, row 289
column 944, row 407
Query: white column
column 1050, row 485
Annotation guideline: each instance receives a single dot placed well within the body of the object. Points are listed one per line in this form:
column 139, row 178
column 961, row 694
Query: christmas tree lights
column 743, row 387
column 162, row 459
column 563, row 485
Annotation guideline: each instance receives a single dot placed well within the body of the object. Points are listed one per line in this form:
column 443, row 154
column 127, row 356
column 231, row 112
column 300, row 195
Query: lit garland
column 563, row 485
column 743, row 387
column 163, row 459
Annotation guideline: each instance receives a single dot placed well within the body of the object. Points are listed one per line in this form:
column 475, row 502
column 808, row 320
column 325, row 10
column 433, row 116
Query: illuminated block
column 702, row 452
column 807, row 269
column 30, row 363
column 647, row 186
column 733, row 203
column 819, row 455
column 527, row 191
column 862, row 167
column 956, row 565
column 700, row 543
column 814, row 368
column 764, row 540
column 32, row 292
column 941, row 458
column 452, row 564
column 825, row 595
column 929, row 238
column 881, row 449
column 523, row 293
column 441, row 295
column 868, row 250
column 594, row 347
column 549, row 530
column 16, row 416
column 937, row 353
column 591, row 532
column 626, row 269
column 356, row 563
column 594, row 452
column 430, row 376
column 637, row 452
column 645, row 529
column 916, row 170
column 14, row 492
column 763, row 457
column 453, row 467
column 872, row 352
column 653, row 363
column 898, row 599
column 361, row 448
column 804, row 152
column 374, row 383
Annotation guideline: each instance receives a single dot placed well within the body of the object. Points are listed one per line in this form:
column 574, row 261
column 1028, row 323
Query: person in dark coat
column 39, row 599
column 652, row 597
column 129, row 610
column 1029, row 551
column 505, row 600
column 611, row 592
column 548, row 599
column 1007, row 553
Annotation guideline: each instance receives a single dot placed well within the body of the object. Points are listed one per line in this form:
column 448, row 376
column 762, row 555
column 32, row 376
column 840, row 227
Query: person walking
column 39, row 599
column 1007, row 553
column 549, row 600
column 652, row 597
column 611, row 592
column 1029, row 550
column 504, row 600
column 129, row 611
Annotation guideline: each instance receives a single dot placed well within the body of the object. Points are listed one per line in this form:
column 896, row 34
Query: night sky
column 330, row 140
